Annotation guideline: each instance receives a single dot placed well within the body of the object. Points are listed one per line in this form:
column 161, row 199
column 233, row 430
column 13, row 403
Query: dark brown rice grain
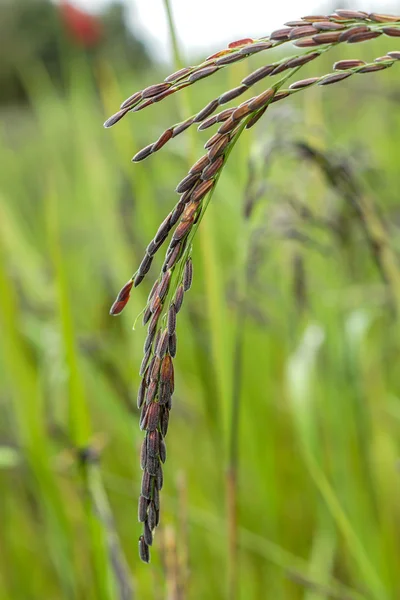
column 153, row 443
column 147, row 481
column 148, row 536
column 141, row 394
column 143, row 454
column 172, row 345
column 144, row 553
column 142, row 509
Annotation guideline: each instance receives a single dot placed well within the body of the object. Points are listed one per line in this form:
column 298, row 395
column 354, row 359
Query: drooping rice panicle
column 319, row 34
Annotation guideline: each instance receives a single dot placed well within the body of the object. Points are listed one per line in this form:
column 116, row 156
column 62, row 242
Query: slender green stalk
column 359, row 552
column 233, row 461
column 102, row 510
column 173, row 35
column 79, row 418
column 27, row 405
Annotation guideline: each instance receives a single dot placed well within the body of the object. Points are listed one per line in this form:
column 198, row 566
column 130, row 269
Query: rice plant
column 318, row 35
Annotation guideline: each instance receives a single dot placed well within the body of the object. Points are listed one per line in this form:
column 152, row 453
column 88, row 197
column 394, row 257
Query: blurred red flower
column 84, row 28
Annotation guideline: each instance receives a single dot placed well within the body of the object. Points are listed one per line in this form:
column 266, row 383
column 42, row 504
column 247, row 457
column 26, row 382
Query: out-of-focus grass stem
column 78, row 412
column 233, row 460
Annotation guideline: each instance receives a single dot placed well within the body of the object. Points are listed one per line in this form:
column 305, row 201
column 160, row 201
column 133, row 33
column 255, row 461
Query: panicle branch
column 309, row 32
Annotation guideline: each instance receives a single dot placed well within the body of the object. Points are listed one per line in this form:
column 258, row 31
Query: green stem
column 173, row 35
column 79, row 418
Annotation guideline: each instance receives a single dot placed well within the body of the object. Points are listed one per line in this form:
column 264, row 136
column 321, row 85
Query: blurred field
column 288, row 311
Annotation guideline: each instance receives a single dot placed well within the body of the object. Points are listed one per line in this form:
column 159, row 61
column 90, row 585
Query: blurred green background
column 293, row 318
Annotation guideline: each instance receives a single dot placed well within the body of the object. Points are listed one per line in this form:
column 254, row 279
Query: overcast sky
column 208, row 24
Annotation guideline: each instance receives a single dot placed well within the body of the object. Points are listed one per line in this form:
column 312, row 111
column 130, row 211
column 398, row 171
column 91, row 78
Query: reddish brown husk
column 306, row 43
column 334, row 78
column 314, row 18
column 363, row 37
column 178, row 75
column 350, row 14
column 228, row 126
column 345, row 35
column 219, row 146
column 202, row 189
column 257, row 75
column 299, row 32
column 144, row 153
column 200, row 164
column 392, row 31
column 190, row 209
column 213, row 168
column 122, row 299
column 329, row 37
column 132, row 100
column 256, row 117
column 187, row 275
column 280, row 96
column 239, row 113
column 144, row 550
column 224, row 114
column 281, row 34
column 167, row 369
column 186, row 183
column 372, row 68
column 303, row 83
column 228, row 59
column 253, row 48
column 201, row 73
column 154, row 90
column 182, row 229
column 212, row 57
column 212, row 140
column 294, row 23
column 242, row 42
column 327, row 26
column 164, row 284
column 178, row 298
column 341, row 65
column 206, row 111
column 383, row 58
column 262, row 99
column 163, row 139
column 182, row 127
column 302, row 60
column 115, row 118
column 232, row 94
column 379, row 18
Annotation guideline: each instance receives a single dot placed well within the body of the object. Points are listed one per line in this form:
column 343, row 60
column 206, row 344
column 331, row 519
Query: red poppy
column 84, row 28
